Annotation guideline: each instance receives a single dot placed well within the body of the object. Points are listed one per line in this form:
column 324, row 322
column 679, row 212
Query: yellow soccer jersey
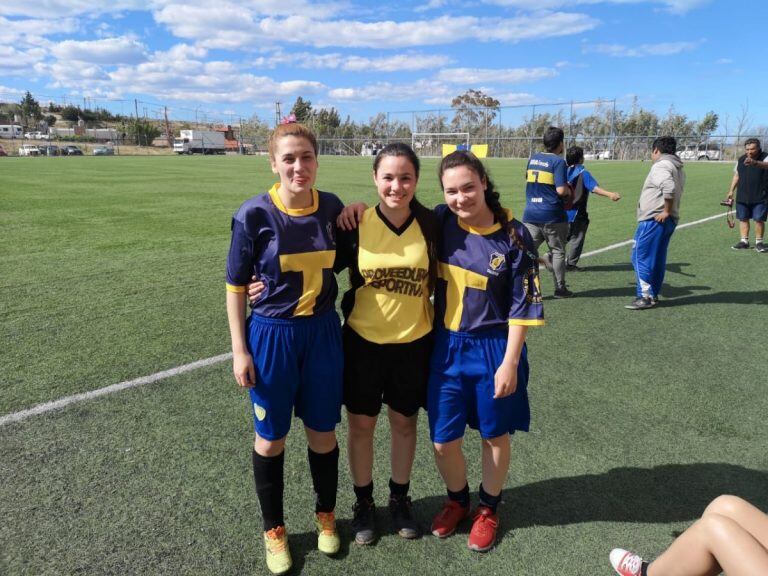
column 390, row 280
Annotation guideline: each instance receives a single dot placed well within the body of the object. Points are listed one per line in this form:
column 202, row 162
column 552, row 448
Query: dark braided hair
column 425, row 218
column 464, row 158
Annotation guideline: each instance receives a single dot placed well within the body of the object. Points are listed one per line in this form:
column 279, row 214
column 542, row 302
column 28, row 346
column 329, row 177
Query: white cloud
column 657, row 49
column 674, row 6
column 723, row 61
column 394, row 92
column 32, row 32
column 494, row 76
column 230, row 27
column 67, row 8
column 408, row 61
column 18, row 62
column 107, row 51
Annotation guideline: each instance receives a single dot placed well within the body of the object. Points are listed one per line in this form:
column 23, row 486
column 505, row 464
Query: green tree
column 50, row 119
column 30, row 108
column 327, row 121
column 302, row 109
column 143, row 132
column 474, row 111
column 708, row 124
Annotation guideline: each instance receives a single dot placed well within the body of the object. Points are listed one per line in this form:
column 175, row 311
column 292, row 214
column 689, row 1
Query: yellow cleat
column 278, row 555
column 327, row 537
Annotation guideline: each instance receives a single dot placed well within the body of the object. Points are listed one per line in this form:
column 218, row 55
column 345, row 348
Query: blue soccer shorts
column 299, row 368
column 461, row 386
column 757, row 211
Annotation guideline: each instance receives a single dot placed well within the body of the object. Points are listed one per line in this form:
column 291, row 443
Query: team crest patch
column 495, row 263
column 531, row 287
column 260, row 412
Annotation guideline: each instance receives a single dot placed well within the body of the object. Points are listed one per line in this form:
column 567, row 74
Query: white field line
column 75, row 398
column 67, row 400
column 629, row 242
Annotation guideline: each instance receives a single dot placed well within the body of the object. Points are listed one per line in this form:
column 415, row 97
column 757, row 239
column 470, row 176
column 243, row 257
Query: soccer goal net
column 430, row 144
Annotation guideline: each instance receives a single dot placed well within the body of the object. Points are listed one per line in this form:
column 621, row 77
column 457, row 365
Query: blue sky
column 223, row 59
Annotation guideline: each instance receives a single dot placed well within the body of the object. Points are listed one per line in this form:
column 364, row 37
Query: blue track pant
column 649, row 256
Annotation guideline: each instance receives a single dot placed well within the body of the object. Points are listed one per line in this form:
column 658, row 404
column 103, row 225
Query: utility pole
column 278, row 114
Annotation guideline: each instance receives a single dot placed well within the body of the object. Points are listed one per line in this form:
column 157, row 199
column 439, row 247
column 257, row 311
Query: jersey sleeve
column 560, row 170
column 526, row 308
column 241, row 255
column 589, row 181
column 346, row 249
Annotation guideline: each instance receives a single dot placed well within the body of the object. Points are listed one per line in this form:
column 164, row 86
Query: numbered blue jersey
column 291, row 250
column 544, row 174
column 485, row 279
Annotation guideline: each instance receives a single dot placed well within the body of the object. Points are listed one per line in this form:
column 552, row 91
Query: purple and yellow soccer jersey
column 290, row 250
column 485, row 280
column 542, row 204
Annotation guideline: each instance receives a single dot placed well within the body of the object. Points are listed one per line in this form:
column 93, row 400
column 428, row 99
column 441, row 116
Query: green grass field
column 113, row 269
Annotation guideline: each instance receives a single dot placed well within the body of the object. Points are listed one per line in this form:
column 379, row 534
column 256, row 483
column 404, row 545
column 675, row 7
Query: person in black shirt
column 750, row 177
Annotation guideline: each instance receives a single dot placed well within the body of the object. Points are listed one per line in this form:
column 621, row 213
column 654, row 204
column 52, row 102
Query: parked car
column 599, row 155
column 103, row 151
column 72, row 150
column 3, row 152
column 703, row 151
column 29, row 150
column 50, row 150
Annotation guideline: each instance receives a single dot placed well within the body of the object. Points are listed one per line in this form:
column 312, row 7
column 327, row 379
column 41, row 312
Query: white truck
column 199, row 142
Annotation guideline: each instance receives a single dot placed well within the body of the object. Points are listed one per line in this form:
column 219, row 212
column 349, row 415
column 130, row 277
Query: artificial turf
column 113, row 269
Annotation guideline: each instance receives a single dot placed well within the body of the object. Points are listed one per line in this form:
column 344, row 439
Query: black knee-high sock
column 325, row 478
column 364, row 492
column 268, row 476
column 398, row 490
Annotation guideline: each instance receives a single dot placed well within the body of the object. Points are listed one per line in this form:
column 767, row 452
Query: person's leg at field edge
column 647, row 238
column 731, row 536
column 660, row 262
column 403, row 445
column 556, row 235
column 577, row 233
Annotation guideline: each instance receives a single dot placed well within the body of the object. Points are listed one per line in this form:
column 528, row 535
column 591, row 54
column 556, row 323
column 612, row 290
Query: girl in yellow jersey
column 387, row 335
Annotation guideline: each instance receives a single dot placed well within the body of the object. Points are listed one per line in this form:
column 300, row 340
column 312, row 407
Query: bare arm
column 242, row 362
column 734, row 183
column 505, row 379
column 562, row 191
column 602, row 192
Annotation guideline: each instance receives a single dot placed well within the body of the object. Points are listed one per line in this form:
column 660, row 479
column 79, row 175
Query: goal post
column 430, row 144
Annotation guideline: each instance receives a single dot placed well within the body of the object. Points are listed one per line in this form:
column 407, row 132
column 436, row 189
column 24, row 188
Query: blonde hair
column 292, row 129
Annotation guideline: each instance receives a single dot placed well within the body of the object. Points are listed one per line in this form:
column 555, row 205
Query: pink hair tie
column 290, row 119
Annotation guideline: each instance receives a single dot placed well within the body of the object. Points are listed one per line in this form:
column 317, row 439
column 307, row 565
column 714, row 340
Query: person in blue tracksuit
column 658, row 212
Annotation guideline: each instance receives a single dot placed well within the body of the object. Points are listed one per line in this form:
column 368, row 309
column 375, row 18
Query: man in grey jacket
column 658, row 212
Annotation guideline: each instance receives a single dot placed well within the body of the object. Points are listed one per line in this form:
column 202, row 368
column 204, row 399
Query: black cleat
column 401, row 510
column 740, row 245
column 363, row 522
column 563, row 292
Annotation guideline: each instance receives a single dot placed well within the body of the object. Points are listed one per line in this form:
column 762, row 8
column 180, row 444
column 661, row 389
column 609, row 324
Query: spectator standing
column 750, row 183
column 658, row 212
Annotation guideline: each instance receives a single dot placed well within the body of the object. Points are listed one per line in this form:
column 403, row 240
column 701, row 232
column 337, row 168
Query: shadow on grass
column 667, row 291
column 674, row 268
column 754, row 297
column 669, row 493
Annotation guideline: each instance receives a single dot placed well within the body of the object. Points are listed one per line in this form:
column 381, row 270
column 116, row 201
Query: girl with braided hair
column 486, row 297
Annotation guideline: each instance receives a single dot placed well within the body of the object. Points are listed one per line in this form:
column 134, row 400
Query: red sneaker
column 483, row 533
column 448, row 518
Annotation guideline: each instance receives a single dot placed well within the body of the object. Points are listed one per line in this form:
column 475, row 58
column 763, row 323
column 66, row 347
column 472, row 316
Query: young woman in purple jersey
column 387, row 336
column 487, row 297
column 288, row 352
